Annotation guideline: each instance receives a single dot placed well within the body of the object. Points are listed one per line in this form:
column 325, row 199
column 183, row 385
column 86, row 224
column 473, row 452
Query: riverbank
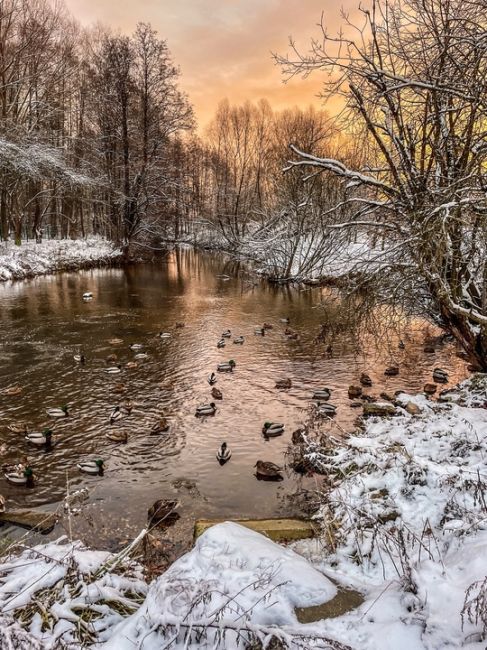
column 403, row 520
column 55, row 255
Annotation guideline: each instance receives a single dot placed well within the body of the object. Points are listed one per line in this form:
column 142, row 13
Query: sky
column 223, row 47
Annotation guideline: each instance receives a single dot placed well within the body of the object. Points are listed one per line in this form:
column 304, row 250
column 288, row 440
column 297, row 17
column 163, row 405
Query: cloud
column 224, row 46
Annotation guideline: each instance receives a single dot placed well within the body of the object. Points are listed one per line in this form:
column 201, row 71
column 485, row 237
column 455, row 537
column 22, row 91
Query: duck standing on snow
column 92, row 467
column 206, row 409
column 223, row 454
column 40, row 439
column 58, row 412
column 272, row 429
column 212, row 379
column 268, row 471
column 226, row 367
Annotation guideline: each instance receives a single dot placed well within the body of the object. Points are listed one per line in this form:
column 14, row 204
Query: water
column 44, row 322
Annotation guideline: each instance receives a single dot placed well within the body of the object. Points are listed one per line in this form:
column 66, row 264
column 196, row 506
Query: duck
column 112, row 358
column 226, row 334
column 43, row 438
column 268, row 470
column 164, row 335
column 206, row 409
column 20, row 475
column 131, row 365
column 18, row 427
column 115, row 341
column 401, row 345
column 272, row 429
column 141, row 355
column 267, row 326
column 365, row 379
column 220, row 344
column 136, row 346
column 160, row 427
column 285, row 320
column 180, row 325
column 3, row 503
column 58, row 412
column 161, row 510
column 116, row 414
column 322, row 394
column 239, row 340
column 12, row 391
column 259, row 331
column 166, row 385
column 127, row 406
column 226, row 367
column 283, row 384
column 212, row 379
column 113, row 370
column 87, row 295
column 79, row 358
column 223, row 454
column 440, row 376
column 216, row 394
column 91, row 466
column 327, row 409
column 118, row 436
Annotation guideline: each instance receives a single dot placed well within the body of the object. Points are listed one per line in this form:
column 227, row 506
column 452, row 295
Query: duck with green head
column 22, row 475
column 92, row 467
column 272, row 429
column 40, row 439
column 226, row 367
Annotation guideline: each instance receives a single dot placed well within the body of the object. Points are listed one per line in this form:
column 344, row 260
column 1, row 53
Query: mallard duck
column 212, row 379
column 160, row 427
column 322, row 394
column 127, row 406
column 180, row 325
column 116, row 414
column 392, row 371
column 164, row 335
column 136, row 346
column 226, row 367
column 440, row 376
column 285, row 320
column 223, row 454
column 12, row 391
column 161, row 510
column 365, row 379
column 327, row 409
column 268, row 326
column 283, row 384
column 114, row 370
column 91, row 466
column 259, row 331
column 115, row 341
column 430, row 389
column 239, row 340
column 131, row 365
column 87, row 295
column 166, row 385
column 117, row 436
column 141, row 355
column 79, row 358
column 268, row 470
column 272, row 429
column 206, row 409
column 216, row 394
column 3, row 503
column 401, row 345
column 20, row 475
column 18, row 427
column 220, row 344
column 58, row 412
column 111, row 358
column 226, row 334
column 40, row 438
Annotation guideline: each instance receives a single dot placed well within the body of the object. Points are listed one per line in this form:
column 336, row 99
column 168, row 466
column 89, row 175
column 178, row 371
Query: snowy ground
column 31, row 259
column 404, row 522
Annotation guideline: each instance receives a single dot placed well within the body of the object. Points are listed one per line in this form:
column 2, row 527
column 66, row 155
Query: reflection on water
column 44, row 322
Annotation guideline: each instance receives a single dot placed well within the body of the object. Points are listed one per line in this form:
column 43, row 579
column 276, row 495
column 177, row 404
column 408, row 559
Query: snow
column 31, row 259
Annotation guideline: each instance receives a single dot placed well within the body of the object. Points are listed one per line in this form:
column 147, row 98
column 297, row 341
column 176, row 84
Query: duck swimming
column 141, row 355
column 239, row 340
column 284, row 384
column 114, row 370
column 87, row 295
column 272, row 429
column 92, row 467
column 206, row 409
column 226, row 334
column 161, row 510
column 259, row 331
column 223, row 454
column 327, row 409
column 160, row 427
column 164, row 335
column 322, row 394
column 18, row 427
column 216, row 394
column 268, row 471
column 226, row 367
column 43, row 438
column 20, row 475
column 11, row 391
column 79, row 358
column 220, row 344
column 116, row 414
column 212, row 379
column 58, row 412
column 117, row 436
column 136, row 346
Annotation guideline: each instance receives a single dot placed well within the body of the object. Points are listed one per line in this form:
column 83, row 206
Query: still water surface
column 44, row 322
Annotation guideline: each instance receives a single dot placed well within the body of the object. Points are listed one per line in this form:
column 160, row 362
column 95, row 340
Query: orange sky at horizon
column 224, row 47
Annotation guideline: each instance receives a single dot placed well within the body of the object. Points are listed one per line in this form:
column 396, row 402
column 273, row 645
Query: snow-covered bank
column 53, row 255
